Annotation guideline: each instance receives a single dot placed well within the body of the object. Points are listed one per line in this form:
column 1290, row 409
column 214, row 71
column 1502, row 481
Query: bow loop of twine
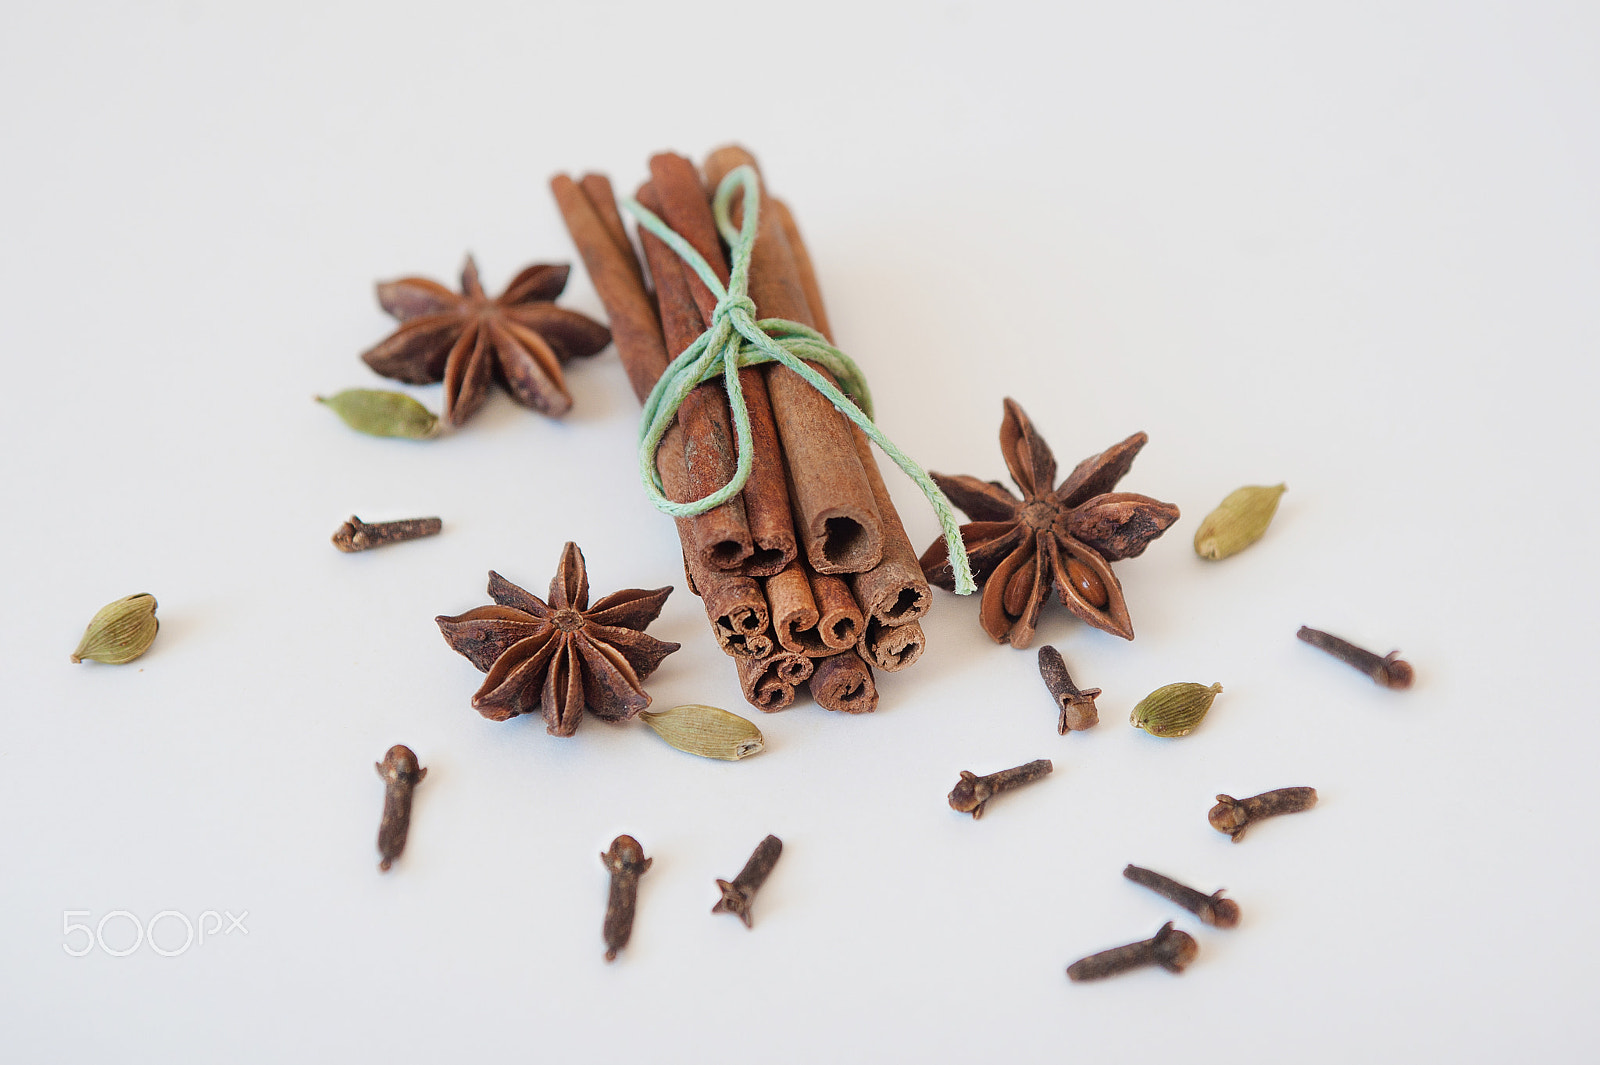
column 735, row 338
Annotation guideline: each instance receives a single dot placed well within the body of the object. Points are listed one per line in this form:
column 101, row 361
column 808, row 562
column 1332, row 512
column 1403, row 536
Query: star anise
column 1067, row 537
column 520, row 339
column 560, row 656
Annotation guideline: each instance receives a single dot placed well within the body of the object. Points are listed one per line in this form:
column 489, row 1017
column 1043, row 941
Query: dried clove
column 401, row 775
column 1213, row 909
column 627, row 864
column 1233, row 816
column 741, row 892
column 972, row 791
column 357, row 535
column 1389, row 671
column 1078, row 711
column 1171, row 949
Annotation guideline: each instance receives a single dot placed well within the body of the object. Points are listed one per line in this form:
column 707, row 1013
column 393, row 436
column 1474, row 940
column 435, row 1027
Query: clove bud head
column 120, row 631
column 400, row 764
column 1228, row 815
column 626, row 857
column 970, row 793
column 1173, row 948
column 1224, row 912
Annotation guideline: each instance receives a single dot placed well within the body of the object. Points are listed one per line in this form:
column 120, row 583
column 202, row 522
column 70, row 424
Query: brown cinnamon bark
column 836, row 517
column 804, row 268
column 769, row 682
column 734, row 605
column 794, row 611
column 722, row 535
column 738, row 614
column 894, row 592
column 686, row 207
column 813, row 613
column 844, row 682
column 892, row 648
column 604, row 201
column 841, row 622
column 614, row 272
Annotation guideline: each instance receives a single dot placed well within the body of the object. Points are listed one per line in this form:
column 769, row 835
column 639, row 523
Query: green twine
column 734, row 338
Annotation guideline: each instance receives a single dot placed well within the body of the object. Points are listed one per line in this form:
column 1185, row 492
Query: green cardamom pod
column 1239, row 521
column 707, row 731
column 379, row 413
column 121, row 631
column 1174, row 710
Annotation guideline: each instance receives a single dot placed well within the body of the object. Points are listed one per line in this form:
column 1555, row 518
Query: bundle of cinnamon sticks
column 807, row 576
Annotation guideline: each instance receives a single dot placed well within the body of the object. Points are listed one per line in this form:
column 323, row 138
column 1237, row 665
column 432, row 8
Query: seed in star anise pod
column 560, row 656
column 520, row 338
column 1066, row 537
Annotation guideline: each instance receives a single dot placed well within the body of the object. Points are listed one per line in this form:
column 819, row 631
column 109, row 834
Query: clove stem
column 357, row 535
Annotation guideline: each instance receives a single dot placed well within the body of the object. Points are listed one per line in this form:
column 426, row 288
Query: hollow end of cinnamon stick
column 845, row 546
column 895, row 591
column 763, row 681
column 767, row 560
column 736, row 608
column 727, row 554
column 794, row 669
column 794, row 610
column 892, row 649
column 839, row 621
column 844, row 683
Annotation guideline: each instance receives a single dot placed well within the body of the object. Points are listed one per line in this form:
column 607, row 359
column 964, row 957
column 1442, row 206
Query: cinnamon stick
column 686, row 207
column 794, row 611
column 804, row 268
column 722, row 535
column 894, row 592
column 840, row 623
column 844, row 682
column 736, row 608
column 836, row 517
column 892, row 648
column 769, row 683
column 734, row 604
column 604, row 201
column 738, row 614
column 614, row 272
column 813, row 613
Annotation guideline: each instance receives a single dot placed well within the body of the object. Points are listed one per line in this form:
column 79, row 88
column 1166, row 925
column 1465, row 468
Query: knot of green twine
column 735, row 338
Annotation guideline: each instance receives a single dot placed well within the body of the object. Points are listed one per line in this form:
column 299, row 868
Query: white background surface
column 1348, row 246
